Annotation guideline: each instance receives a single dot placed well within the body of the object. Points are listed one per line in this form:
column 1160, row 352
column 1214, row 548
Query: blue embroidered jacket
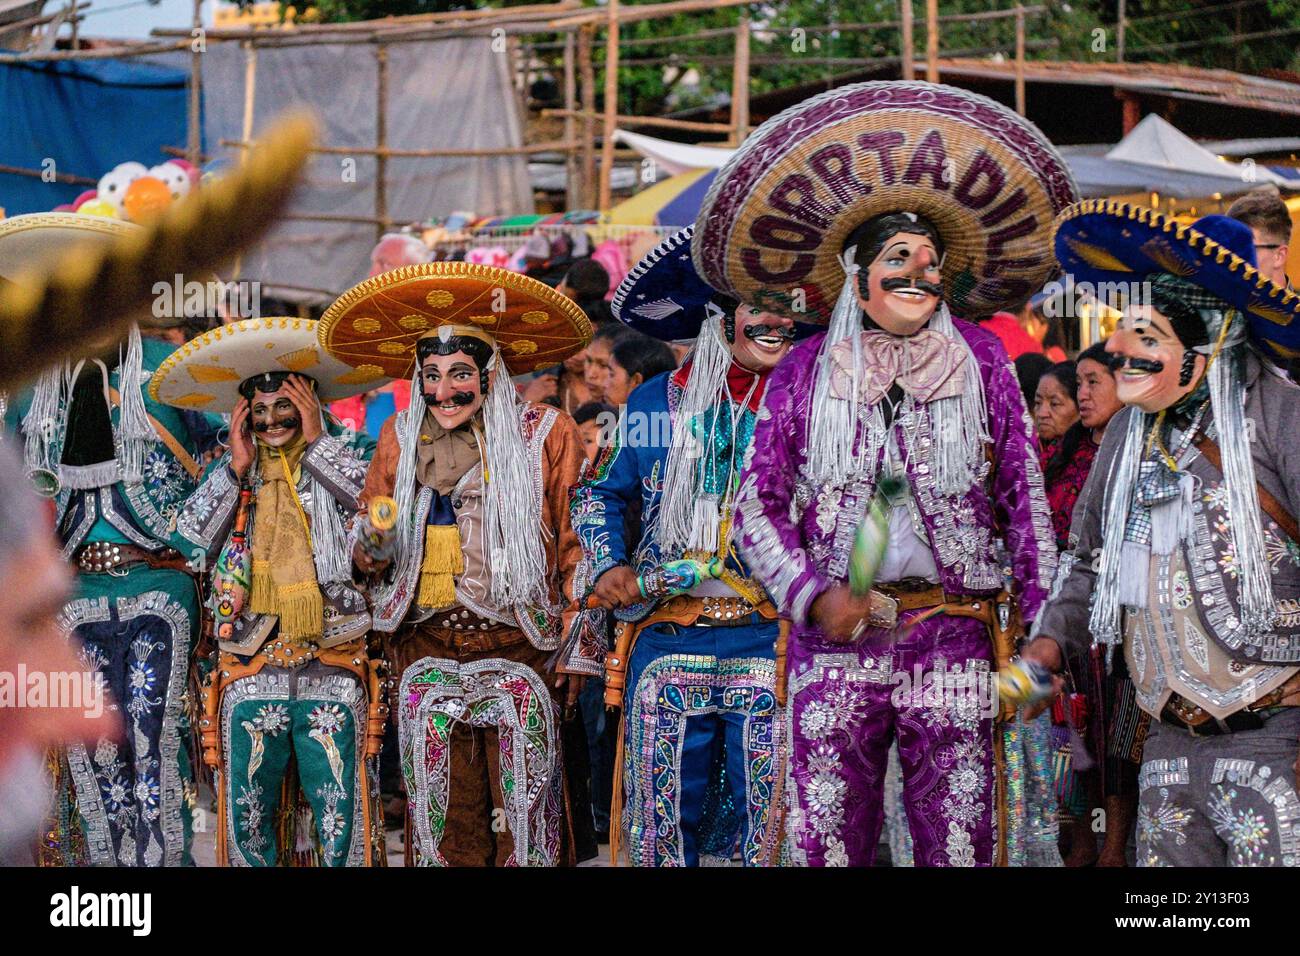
column 632, row 466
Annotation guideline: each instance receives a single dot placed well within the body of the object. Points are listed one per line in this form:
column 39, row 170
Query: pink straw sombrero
column 774, row 222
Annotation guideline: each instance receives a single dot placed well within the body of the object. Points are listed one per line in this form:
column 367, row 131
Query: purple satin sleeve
column 766, row 515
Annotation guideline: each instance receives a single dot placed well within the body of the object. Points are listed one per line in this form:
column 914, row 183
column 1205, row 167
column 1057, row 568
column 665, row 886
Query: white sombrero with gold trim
column 40, row 238
column 204, row 374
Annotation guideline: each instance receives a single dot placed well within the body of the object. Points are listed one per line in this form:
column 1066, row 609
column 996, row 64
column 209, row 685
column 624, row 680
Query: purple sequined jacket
column 796, row 535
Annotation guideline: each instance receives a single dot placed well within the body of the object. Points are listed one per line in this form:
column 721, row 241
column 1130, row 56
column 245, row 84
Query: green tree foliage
column 685, row 60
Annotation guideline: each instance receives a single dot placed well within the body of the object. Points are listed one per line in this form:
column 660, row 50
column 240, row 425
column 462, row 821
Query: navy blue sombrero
column 663, row 296
column 1113, row 242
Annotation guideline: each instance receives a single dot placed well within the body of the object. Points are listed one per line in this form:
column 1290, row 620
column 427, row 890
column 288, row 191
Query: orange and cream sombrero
column 375, row 325
column 204, row 374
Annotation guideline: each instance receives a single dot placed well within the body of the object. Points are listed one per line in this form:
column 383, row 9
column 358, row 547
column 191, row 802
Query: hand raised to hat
column 304, row 398
column 241, row 441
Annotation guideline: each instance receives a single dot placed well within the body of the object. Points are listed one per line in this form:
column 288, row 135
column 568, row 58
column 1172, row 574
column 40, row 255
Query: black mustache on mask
column 784, row 331
column 289, row 423
column 457, row 398
column 1136, row 364
column 903, row 282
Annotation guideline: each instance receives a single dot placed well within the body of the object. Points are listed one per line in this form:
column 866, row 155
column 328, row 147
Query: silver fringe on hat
column 1125, row 565
column 46, row 421
column 958, row 424
column 689, row 519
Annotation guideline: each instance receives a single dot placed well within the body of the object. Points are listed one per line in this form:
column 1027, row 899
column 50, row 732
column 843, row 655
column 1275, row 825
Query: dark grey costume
column 1226, row 794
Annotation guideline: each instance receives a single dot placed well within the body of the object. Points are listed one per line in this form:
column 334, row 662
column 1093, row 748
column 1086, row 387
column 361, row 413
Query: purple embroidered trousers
column 929, row 686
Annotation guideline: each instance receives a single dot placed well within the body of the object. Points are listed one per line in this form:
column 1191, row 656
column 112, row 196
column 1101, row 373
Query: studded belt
column 1194, row 719
column 106, row 557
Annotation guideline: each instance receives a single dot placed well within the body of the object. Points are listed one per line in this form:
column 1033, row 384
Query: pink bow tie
column 924, row 365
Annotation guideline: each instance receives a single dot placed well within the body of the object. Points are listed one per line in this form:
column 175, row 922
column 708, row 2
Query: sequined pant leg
column 1228, row 800
column 840, row 724
column 701, row 716
column 133, row 794
column 945, row 741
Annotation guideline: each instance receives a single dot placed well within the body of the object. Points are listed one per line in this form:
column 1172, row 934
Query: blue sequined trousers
column 702, row 746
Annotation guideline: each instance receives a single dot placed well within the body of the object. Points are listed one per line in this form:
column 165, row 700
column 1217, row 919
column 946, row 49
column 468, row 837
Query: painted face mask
column 1154, row 369
column 902, row 286
column 453, row 388
column 275, row 419
column 759, row 340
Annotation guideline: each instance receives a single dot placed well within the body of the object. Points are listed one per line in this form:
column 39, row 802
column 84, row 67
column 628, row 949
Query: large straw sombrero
column 38, row 239
column 773, row 223
column 1113, row 245
column 204, row 374
column 375, row 325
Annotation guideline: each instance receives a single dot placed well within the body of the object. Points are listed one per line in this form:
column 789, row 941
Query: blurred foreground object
column 55, row 305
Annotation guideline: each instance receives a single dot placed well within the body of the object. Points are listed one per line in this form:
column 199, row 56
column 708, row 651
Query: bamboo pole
column 554, row 146
column 906, row 40
column 194, row 140
column 587, row 67
column 454, row 19
column 932, row 40
column 381, row 140
column 1119, row 31
column 611, row 105
column 246, row 126
column 650, row 11
column 572, row 196
column 68, row 178
column 146, row 49
column 662, row 121
column 740, row 83
column 1020, row 60
column 250, row 90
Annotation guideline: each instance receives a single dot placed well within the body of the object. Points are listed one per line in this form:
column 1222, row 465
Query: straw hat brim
column 38, row 239
column 773, row 224
column 375, row 325
column 204, row 374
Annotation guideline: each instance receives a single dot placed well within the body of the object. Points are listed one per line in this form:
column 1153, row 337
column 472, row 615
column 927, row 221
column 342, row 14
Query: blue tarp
column 87, row 117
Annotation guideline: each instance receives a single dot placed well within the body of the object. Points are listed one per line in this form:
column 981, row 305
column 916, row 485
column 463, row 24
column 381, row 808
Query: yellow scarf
column 442, row 459
column 284, row 573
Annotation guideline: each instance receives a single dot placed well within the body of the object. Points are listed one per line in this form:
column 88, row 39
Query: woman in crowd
column 635, row 358
column 599, row 355
column 1118, row 727
column 1065, row 450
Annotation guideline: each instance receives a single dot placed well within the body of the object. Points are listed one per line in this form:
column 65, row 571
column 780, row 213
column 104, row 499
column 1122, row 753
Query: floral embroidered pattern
column 1168, row 821
column 1244, row 829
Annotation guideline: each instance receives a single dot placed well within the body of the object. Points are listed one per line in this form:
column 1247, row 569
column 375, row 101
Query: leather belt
column 102, row 557
column 1194, row 719
column 464, row 631
column 463, row 619
column 914, row 593
column 725, row 610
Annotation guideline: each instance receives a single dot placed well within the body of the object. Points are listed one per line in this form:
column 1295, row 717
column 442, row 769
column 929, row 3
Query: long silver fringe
column 1258, row 606
column 329, row 540
column 687, row 517
column 1104, row 621
column 513, row 534
column 134, row 435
